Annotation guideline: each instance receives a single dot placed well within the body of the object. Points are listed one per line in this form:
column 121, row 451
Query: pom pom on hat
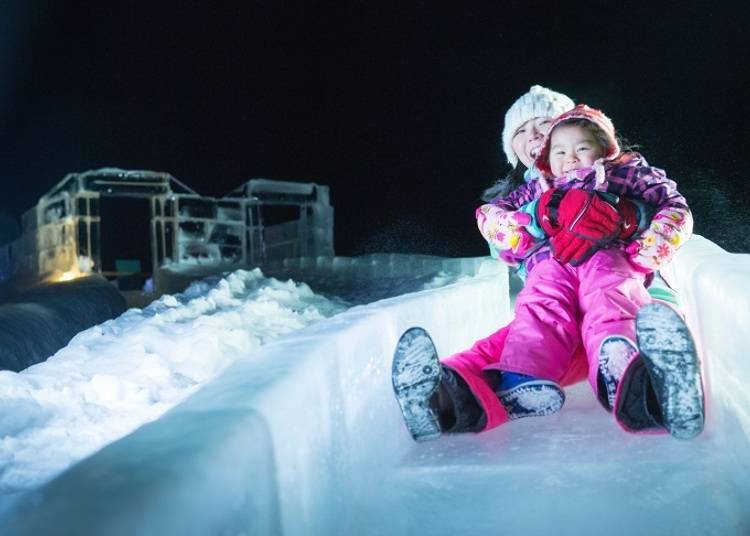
column 537, row 102
column 593, row 115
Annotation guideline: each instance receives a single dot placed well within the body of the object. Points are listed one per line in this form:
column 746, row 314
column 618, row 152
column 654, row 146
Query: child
column 585, row 283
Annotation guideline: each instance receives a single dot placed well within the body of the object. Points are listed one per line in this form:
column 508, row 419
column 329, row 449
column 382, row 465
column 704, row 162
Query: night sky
column 397, row 107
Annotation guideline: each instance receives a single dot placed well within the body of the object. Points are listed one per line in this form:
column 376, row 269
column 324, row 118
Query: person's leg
column 522, row 365
column 476, row 367
column 469, row 367
column 683, row 409
column 661, row 390
column 638, row 409
column 659, row 290
column 610, row 294
column 434, row 399
column 578, row 370
column 544, row 334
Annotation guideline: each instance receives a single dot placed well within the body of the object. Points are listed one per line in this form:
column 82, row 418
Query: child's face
column 572, row 147
column 527, row 139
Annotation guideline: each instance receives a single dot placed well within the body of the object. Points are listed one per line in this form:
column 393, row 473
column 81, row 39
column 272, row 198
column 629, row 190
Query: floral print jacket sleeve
column 672, row 223
column 502, row 224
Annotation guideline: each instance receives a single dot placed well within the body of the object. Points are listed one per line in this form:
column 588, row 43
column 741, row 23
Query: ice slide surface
column 305, row 438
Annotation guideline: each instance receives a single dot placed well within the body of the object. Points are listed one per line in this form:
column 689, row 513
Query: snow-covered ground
column 112, row 378
column 302, row 436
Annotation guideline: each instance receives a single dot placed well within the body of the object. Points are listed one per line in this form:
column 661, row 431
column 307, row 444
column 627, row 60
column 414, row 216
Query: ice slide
column 306, row 438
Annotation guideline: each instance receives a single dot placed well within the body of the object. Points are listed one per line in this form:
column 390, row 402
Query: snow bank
column 112, row 378
column 356, row 280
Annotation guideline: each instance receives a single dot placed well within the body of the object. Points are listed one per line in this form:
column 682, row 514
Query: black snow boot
column 636, row 408
column 416, row 375
column 457, row 409
column 433, row 399
column 615, row 355
column 670, row 356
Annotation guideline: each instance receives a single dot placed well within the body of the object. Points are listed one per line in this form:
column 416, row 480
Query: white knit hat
column 538, row 102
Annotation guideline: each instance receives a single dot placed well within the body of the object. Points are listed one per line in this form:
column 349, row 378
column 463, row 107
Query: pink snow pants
column 562, row 315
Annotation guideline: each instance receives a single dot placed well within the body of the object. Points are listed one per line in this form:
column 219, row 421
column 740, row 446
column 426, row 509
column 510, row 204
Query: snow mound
column 113, row 377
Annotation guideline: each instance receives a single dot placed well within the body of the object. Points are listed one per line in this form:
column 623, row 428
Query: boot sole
column 669, row 353
column 532, row 399
column 415, row 373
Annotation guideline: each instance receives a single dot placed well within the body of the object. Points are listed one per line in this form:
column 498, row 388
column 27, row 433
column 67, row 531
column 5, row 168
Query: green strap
column 664, row 294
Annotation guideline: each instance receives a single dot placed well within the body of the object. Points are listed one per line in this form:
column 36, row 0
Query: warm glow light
column 67, row 276
column 58, row 277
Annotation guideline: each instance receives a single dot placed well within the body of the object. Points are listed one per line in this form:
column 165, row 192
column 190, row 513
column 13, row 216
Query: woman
column 470, row 393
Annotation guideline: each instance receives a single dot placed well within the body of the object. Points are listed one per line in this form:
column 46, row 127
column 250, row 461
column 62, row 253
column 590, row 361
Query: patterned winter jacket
column 629, row 176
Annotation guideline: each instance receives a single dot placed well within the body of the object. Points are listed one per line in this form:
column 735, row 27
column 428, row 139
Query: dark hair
column 505, row 185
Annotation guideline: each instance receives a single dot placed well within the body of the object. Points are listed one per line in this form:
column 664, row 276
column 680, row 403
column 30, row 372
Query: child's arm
column 669, row 229
column 672, row 223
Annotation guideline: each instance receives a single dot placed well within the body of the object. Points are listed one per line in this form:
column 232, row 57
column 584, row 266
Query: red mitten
column 547, row 211
column 629, row 214
column 587, row 223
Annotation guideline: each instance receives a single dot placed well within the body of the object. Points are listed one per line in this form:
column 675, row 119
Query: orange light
column 67, row 276
column 59, row 277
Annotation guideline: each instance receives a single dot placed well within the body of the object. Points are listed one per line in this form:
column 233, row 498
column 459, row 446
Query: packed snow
column 112, row 378
column 304, row 436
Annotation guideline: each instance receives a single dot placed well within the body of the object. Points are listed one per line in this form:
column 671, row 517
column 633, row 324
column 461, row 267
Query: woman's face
column 527, row 139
